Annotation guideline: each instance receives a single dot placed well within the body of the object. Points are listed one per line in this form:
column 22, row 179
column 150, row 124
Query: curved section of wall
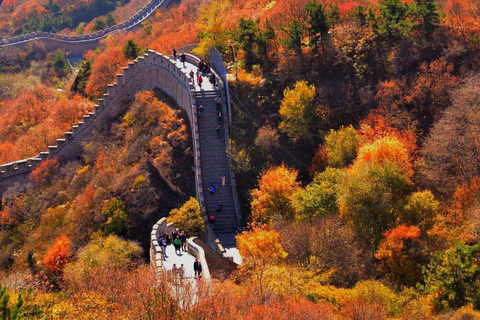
column 147, row 72
column 77, row 45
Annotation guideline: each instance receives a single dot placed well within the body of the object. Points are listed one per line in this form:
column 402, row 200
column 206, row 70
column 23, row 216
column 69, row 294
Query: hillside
column 354, row 144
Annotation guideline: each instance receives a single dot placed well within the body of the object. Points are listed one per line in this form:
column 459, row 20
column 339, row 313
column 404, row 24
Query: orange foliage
column 33, row 121
column 274, row 194
column 45, row 171
column 386, row 150
column 104, row 68
column 57, row 255
column 397, row 254
column 299, row 309
column 377, row 125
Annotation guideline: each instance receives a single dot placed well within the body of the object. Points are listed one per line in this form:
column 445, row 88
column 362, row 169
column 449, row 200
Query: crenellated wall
column 77, row 45
column 146, row 73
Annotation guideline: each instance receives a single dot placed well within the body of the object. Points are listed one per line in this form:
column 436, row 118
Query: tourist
column 211, row 219
column 211, row 189
column 200, row 80
column 218, row 102
column 181, row 271
column 183, row 240
column 200, row 110
column 177, row 243
column 195, row 267
column 223, row 180
column 174, row 54
column 174, row 270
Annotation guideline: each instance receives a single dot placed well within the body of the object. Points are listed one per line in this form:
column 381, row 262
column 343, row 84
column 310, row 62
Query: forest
column 355, row 145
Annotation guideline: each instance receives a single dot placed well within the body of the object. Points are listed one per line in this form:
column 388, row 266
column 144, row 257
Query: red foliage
column 45, row 171
column 57, row 255
column 319, row 161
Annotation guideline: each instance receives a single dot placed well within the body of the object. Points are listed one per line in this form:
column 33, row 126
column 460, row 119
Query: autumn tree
column 429, row 94
column 273, row 197
column 400, row 255
column 45, row 172
column 374, row 185
column 298, row 110
column 421, row 210
column 453, row 278
column 58, row 255
column 101, row 256
column 188, row 218
column 259, row 248
column 213, row 25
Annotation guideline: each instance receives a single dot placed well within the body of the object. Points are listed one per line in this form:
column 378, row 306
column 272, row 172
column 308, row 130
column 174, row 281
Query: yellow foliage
column 82, row 170
column 297, row 110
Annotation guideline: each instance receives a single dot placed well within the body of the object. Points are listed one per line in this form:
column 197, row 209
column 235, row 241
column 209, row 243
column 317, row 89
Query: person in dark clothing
column 219, row 116
column 183, row 240
column 199, row 269
column 218, row 130
column 200, row 110
column 218, row 102
column 174, row 54
column 174, row 234
column 183, row 58
column 213, row 80
column 195, row 267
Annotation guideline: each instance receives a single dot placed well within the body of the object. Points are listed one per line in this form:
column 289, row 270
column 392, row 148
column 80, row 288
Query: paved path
column 214, row 162
column 183, row 258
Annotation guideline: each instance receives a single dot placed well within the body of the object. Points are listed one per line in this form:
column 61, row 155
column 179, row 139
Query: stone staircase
column 214, row 165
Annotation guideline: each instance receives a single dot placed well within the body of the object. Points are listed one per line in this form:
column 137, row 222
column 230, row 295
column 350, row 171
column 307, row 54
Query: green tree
column 81, row 79
column 7, row 311
column 247, row 36
column 421, row 209
column 117, row 218
column 319, row 198
column 110, row 20
column 394, row 22
column 453, row 278
column 188, row 218
column 318, row 26
column 293, row 41
column 131, row 49
column 426, row 15
column 99, row 24
column 60, row 63
column 298, row 110
column 341, row 146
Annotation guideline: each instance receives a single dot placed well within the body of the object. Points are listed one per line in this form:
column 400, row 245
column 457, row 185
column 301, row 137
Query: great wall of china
column 153, row 70
column 77, row 45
